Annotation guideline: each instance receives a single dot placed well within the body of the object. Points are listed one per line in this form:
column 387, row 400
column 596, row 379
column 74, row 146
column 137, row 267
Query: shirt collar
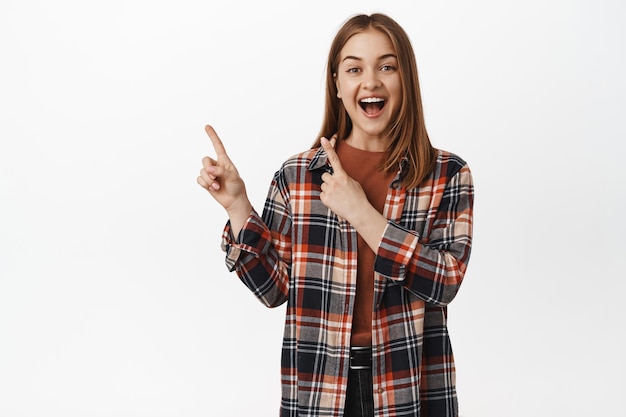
column 319, row 160
column 397, row 181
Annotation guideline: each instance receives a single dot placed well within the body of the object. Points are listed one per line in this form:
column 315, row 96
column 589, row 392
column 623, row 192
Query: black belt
column 360, row 357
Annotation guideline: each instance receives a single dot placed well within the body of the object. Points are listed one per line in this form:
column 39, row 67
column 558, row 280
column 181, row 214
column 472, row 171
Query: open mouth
column 372, row 105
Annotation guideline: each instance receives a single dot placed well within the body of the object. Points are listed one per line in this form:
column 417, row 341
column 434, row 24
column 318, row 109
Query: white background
column 114, row 300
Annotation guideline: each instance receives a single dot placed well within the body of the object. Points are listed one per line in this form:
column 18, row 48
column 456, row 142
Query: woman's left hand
column 346, row 198
column 340, row 193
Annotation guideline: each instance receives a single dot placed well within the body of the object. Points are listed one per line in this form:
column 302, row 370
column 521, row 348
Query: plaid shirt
column 301, row 253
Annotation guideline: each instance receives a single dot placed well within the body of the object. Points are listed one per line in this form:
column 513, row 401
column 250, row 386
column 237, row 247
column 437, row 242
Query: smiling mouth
column 372, row 105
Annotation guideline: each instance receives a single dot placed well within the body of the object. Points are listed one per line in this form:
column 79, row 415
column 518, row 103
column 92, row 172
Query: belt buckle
column 357, row 354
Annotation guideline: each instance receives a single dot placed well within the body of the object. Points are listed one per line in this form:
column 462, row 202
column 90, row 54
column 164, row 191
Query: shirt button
column 381, row 390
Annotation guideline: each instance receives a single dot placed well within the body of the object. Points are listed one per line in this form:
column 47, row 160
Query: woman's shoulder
column 298, row 169
column 304, row 160
column 449, row 163
column 447, row 157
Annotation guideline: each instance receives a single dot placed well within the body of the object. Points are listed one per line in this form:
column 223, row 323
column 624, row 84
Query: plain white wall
column 114, row 300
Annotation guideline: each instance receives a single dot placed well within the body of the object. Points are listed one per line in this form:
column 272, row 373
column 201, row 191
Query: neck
column 367, row 144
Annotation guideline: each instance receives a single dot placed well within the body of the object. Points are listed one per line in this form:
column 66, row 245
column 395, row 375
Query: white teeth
column 372, row 100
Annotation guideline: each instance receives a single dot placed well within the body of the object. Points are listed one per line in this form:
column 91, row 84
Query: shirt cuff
column 254, row 238
column 397, row 248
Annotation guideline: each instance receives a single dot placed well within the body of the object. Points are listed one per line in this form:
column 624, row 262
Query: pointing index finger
column 216, row 141
column 332, row 155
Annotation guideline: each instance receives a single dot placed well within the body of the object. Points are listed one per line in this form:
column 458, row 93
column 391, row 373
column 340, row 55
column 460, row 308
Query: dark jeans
column 360, row 398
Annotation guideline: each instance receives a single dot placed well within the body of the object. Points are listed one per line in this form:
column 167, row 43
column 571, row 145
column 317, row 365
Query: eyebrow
column 380, row 58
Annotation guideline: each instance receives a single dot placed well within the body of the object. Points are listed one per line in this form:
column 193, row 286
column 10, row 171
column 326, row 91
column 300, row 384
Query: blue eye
column 387, row 68
column 352, row 70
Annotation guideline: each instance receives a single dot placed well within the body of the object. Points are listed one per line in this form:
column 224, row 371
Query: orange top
column 363, row 166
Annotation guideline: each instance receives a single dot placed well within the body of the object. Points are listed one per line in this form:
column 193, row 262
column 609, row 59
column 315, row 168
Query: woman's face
column 368, row 84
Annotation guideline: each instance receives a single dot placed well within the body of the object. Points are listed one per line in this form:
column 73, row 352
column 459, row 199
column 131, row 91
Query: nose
column 371, row 81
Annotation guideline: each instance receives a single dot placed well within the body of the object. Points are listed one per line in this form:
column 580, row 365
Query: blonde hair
column 408, row 131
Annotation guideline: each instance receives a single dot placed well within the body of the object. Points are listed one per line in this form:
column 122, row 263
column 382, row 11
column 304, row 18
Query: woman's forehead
column 368, row 44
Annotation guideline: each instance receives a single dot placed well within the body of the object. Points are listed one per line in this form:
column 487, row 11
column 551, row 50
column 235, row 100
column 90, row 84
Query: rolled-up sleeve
column 261, row 253
column 254, row 239
column 433, row 266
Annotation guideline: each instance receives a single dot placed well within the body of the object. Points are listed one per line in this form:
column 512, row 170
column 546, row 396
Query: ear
column 337, row 85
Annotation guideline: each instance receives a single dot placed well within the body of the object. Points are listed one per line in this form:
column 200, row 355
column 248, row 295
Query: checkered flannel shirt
column 301, row 253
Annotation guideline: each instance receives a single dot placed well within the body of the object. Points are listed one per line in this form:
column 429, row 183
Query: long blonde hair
column 408, row 131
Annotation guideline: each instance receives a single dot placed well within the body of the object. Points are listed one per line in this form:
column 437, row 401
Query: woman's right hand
column 221, row 179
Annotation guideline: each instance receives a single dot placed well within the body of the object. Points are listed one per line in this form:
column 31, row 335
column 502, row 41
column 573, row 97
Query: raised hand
column 221, row 179
column 340, row 192
column 346, row 198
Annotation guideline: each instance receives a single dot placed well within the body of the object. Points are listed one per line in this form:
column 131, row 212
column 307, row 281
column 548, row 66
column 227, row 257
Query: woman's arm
column 259, row 250
column 433, row 266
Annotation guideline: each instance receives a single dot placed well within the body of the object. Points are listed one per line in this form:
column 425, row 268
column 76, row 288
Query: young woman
column 366, row 236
